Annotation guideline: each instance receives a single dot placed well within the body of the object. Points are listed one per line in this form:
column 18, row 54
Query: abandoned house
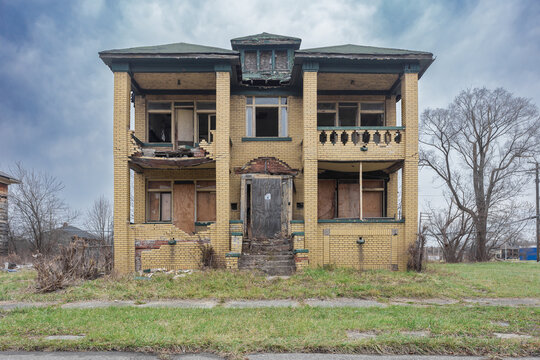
column 276, row 156
column 5, row 181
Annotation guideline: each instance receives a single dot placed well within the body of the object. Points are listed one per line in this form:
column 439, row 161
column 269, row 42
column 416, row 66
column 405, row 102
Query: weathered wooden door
column 266, row 207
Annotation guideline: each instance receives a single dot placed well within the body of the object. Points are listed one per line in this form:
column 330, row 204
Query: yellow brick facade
column 316, row 243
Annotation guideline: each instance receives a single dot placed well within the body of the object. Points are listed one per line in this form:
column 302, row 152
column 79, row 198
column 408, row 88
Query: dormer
column 266, row 59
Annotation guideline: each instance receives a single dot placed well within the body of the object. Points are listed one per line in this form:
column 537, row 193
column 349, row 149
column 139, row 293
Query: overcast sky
column 56, row 94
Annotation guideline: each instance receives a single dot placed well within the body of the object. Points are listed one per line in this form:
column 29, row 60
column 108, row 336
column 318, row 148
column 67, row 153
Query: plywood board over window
column 206, row 200
column 373, row 198
column 326, row 208
column 348, row 200
column 184, row 206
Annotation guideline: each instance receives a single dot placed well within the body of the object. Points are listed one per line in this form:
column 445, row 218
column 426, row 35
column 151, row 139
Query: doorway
column 266, row 205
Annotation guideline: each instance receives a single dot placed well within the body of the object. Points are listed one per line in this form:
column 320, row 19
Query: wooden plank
column 266, row 207
column 326, row 199
column 184, row 207
column 372, row 203
column 153, row 207
column 348, row 204
column 206, row 206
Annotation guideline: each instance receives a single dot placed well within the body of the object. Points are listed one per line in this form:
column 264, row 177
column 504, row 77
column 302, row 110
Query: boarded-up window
column 184, row 206
column 341, row 198
column 250, row 61
column 373, row 198
column 281, row 60
column 265, row 61
column 326, row 207
column 206, row 200
column 159, row 201
column 348, row 199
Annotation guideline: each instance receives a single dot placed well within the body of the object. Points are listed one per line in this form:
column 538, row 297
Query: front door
column 266, row 207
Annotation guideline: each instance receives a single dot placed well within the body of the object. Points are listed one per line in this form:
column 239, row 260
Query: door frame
column 286, row 200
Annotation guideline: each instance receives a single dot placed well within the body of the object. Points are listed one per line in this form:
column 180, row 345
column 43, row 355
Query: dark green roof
column 351, row 49
column 265, row 39
column 177, row 48
column 266, row 36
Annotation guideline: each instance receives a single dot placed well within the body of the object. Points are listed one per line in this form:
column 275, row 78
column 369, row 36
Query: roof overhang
column 8, row 180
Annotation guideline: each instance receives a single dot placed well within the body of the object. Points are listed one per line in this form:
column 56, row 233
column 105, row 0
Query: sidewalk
column 339, row 302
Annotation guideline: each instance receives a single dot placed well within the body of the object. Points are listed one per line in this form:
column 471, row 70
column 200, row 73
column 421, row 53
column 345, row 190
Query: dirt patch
column 512, row 336
column 416, row 333
column 359, row 335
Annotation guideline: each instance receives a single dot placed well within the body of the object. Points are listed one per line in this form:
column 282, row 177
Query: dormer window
column 255, row 61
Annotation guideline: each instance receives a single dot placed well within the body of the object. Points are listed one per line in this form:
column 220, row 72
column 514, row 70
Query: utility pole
column 537, row 215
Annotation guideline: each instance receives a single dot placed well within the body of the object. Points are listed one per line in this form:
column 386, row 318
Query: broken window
column 326, row 114
column 347, row 114
column 206, row 120
column 159, row 201
column 159, row 122
column 266, row 117
column 372, row 114
column 367, row 114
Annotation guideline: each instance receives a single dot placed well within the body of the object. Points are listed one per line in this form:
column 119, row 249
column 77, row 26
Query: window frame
column 150, row 191
column 359, row 112
column 172, row 111
column 171, row 191
column 272, row 59
column 283, row 104
column 159, row 111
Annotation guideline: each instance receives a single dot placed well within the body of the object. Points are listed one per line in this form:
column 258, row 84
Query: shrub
column 74, row 262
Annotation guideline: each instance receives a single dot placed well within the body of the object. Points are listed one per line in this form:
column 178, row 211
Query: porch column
column 409, row 113
column 124, row 252
column 314, row 242
column 221, row 240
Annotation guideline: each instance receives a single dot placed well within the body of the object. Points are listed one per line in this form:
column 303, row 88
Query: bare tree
column 38, row 208
column 99, row 219
column 452, row 229
column 477, row 146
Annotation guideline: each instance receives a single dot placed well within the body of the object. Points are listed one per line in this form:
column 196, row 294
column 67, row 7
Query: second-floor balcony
column 361, row 143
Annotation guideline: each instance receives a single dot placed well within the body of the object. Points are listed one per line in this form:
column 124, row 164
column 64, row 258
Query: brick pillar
column 221, row 240
column 409, row 114
column 313, row 243
column 139, row 197
column 124, row 252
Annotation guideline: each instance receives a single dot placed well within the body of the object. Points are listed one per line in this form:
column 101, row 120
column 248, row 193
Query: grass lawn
column 495, row 279
column 450, row 329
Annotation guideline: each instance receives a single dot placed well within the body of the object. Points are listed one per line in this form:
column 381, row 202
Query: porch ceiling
column 333, row 81
column 387, row 166
column 176, row 81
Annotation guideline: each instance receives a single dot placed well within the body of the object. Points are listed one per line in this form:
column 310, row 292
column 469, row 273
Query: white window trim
column 282, row 133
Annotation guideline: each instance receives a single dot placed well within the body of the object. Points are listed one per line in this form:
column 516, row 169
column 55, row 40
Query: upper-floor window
column 265, row 60
column 186, row 122
column 350, row 114
column 159, row 122
column 266, row 116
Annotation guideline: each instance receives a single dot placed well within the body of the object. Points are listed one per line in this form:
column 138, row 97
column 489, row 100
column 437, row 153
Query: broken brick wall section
column 169, row 255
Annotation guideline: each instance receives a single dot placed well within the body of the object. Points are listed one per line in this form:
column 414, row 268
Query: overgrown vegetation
column 439, row 280
column 448, row 329
column 208, row 256
column 73, row 263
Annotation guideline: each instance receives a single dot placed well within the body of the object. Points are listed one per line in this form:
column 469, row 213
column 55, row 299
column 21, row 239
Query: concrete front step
column 271, row 256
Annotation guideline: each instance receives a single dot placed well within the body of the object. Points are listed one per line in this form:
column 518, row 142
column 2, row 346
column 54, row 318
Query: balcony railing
column 351, row 142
